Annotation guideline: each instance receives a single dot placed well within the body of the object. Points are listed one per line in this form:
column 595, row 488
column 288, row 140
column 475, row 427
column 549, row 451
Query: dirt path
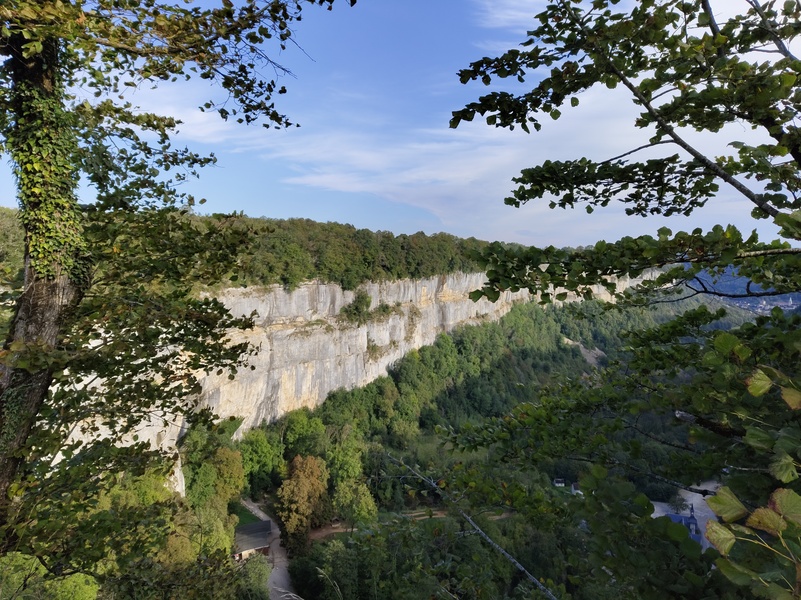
column 279, row 584
column 255, row 510
column 328, row 530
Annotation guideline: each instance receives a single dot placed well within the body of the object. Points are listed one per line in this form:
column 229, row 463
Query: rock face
column 308, row 350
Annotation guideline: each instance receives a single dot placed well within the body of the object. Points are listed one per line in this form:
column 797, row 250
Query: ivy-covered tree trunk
column 42, row 143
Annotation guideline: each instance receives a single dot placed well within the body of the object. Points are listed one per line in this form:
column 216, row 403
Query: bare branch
column 635, row 150
column 769, row 252
column 713, row 24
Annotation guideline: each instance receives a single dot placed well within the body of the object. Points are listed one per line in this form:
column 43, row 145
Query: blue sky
column 373, row 89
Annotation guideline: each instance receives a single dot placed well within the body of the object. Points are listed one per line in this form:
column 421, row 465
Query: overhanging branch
column 757, row 199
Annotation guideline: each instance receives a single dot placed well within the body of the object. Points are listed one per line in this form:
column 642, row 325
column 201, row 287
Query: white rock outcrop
column 307, row 350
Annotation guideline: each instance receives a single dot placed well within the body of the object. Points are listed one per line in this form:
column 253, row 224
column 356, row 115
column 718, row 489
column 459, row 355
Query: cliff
column 308, row 350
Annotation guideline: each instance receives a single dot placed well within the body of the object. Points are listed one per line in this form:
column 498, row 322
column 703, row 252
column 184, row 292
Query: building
column 252, row 538
column 691, row 523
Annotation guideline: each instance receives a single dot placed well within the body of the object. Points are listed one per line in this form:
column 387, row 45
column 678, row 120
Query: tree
column 256, row 572
column 106, row 310
column 262, row 458
column 729, row 399
column 302, row 499
column 354, row 503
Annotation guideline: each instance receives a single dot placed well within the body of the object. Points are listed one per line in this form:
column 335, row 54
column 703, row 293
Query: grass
column 245, row 516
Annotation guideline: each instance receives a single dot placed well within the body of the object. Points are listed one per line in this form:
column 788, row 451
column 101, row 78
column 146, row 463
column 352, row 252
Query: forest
column 346, row 462
column 354, row 460
column 443, row 471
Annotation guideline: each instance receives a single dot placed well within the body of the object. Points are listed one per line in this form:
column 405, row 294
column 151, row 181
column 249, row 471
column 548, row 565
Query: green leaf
column 735, row 573
column 759, row 383
column 772, row 590
column 782, row 467
column 767, row 520
column 720, row 537
column 677, row 532
column 759, row 439
column 788, row 504
column 792, row 397
column 726, row 505
column 725, row 343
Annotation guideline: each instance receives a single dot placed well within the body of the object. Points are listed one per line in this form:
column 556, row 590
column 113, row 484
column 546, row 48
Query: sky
column 373, row 87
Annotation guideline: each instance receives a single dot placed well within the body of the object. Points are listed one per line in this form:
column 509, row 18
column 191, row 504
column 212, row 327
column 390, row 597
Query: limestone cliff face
column 307, row 350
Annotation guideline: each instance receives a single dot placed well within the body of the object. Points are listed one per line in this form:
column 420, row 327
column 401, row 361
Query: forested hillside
column 448, row 472
column 344, row 461
column 291, row 251
column 341, row 461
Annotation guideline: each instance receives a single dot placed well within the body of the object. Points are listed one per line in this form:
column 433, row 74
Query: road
column 279, row 583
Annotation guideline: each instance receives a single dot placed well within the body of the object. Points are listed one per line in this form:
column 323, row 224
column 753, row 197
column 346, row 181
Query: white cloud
column 516, row 15
column 461, row 176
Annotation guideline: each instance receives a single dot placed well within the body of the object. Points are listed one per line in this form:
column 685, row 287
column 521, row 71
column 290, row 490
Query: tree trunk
column 42, row 143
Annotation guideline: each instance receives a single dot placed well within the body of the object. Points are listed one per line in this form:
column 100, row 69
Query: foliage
column 22, row 577
column 727, row 401
column 301, row 500
column 290, row 251
column 296, row 250
column 303, row 433
column 352, row 500
column 358, row 310
column 471, row 370
column 254, row 575
column 107, row 333
column 11, row 247
column 262, row 459
column 214, row 476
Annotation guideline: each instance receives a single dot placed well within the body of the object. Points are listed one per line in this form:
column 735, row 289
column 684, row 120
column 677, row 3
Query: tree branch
column 717, row 428
column 713, row 24
column 635, row 150
column 768, row 252
column 770, row 28
column 701, row 491
column 757, row 199
column 445, row 496
column 660, row 440
column 616, row 463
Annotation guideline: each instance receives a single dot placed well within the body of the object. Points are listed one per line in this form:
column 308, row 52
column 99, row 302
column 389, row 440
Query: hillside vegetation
column 291, row 251
column 343, row 461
